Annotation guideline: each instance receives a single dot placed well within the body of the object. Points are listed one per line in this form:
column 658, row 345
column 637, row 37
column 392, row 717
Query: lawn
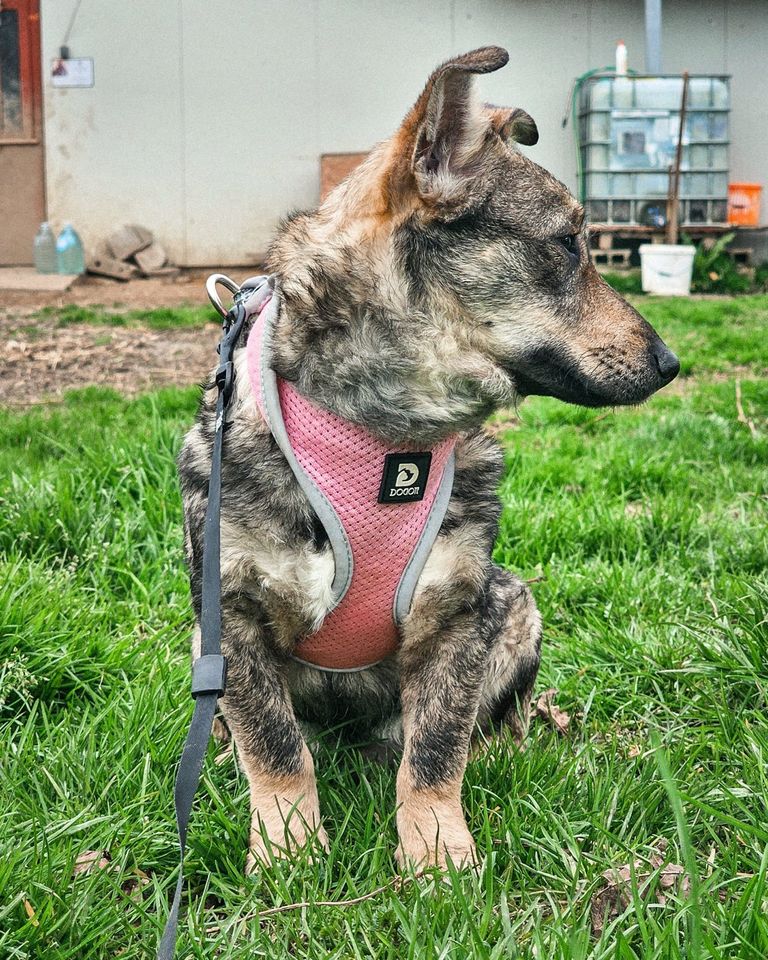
column 645, row 530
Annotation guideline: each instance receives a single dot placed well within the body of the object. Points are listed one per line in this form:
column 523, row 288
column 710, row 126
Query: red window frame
column 28, row 13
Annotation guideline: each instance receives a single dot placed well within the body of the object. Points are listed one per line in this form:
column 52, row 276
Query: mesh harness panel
column 379, row 548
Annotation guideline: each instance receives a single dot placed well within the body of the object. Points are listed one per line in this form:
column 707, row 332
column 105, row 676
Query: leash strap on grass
column 209, row 671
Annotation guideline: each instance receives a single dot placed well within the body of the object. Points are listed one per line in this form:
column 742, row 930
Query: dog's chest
column 381, row 508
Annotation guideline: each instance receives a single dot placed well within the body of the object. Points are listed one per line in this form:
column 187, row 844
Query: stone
column 110, row 267
column 151, row 258
column 128, row 240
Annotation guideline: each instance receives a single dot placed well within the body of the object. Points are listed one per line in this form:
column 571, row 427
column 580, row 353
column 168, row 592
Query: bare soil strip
column 40, row 360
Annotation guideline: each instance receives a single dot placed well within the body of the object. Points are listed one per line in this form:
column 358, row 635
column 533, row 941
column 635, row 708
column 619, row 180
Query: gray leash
column 209, row 671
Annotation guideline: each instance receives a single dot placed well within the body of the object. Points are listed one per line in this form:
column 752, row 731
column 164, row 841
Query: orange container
column 744, row 204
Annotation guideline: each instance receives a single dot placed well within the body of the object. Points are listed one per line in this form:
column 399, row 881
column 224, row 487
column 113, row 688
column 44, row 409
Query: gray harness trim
column 342, row 552
column 410, row 578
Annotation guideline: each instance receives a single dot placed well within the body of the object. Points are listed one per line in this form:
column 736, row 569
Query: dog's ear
column 447, row 127
column 513, row 125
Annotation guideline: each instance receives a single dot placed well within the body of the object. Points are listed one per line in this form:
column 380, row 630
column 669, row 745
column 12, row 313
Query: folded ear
column 513, row 125
column 447, row 126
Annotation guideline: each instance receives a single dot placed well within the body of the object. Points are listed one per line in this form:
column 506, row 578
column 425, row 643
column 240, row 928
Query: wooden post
column 673, row 193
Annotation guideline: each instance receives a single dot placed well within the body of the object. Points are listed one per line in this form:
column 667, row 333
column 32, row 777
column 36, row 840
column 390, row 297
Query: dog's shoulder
column 479, row 464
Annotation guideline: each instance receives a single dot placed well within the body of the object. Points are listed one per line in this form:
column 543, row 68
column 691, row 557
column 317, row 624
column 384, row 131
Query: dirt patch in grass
column 132, row 337
column 45, row 363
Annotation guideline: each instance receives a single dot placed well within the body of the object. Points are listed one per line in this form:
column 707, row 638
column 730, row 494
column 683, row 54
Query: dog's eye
column 571, row 243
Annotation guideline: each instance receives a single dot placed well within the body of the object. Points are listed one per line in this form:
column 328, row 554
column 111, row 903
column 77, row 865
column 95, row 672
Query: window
column 11, row 124
column 20, row 106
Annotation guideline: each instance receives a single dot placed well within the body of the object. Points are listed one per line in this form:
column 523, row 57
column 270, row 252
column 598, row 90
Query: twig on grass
column 740, row 415
column 396, row 883
column 34, row 403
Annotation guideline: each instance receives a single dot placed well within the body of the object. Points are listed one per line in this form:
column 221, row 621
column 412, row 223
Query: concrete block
column 151, row 258
column 110, row 267
column 128, row 240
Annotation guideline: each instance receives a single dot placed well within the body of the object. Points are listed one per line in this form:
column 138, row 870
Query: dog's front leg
column 285, row 812
column 441, row 678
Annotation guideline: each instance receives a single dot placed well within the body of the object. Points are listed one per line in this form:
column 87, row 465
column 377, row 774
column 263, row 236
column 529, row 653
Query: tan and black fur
column 449, row 276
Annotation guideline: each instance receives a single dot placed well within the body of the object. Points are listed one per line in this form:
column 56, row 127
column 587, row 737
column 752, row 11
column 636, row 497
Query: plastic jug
column 44, row 251
column 69, row 251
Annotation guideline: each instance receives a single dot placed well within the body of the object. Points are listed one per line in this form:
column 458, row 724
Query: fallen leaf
column 220, row 730
column 91, row 860
column 673, row 877
column 616, row 895
column 133, row 886
column 224, row 756
column 546, row 709
column 31, row 914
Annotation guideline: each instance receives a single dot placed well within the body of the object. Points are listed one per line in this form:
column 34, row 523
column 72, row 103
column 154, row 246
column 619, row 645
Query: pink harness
column 381, row 507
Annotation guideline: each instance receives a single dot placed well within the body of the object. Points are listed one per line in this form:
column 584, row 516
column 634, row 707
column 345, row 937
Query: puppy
column 447, row 277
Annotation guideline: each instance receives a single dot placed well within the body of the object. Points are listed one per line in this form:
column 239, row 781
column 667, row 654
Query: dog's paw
column 274, row 839
column 421, row 856
column 426, row 842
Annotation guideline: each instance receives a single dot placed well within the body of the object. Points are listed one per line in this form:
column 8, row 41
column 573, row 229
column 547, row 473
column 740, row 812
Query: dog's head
column 468, row 226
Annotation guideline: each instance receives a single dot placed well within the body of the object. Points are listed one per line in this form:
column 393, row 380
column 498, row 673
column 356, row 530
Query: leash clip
column 213, row 295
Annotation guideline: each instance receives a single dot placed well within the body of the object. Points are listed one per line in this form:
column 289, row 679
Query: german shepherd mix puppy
column 447, row 277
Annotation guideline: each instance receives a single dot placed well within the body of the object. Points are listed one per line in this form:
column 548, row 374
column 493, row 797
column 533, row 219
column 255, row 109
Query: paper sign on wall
column 77, row 72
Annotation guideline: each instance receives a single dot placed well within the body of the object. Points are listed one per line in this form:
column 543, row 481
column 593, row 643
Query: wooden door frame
column 23, row 195
column 28, row 14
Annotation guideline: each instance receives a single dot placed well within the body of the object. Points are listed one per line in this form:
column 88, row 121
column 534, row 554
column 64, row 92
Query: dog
column 447, row 277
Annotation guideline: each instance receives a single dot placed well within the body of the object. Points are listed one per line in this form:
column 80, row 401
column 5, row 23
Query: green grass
column 713, row 335
column 625, row 281
column 649, row 527
column 160, row 318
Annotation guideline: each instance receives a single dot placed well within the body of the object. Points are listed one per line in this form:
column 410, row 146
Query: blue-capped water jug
column 69, row 251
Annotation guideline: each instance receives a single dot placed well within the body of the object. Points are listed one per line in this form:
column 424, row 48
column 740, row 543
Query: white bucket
column 667, row 268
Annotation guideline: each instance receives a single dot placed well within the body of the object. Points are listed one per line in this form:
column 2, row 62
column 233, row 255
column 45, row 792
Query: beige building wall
column 208, row 118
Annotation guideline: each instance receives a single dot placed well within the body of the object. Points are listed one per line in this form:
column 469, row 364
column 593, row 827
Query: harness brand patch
column 405, row 477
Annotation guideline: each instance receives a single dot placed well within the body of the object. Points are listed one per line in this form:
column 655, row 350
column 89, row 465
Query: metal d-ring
column 210, row 288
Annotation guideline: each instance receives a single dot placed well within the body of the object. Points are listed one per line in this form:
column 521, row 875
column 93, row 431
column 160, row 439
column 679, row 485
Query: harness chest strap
column 382, row 507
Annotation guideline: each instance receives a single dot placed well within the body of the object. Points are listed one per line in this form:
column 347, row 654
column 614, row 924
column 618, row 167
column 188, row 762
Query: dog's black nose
column 667, row 363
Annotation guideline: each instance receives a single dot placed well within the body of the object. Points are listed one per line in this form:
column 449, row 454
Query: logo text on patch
column 404, row 478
